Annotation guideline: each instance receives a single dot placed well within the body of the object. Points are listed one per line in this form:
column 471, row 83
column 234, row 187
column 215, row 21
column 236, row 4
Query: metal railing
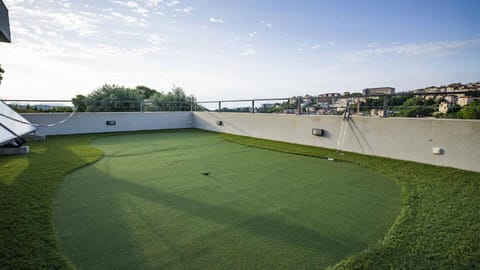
column 353, row 104
column 59, row 105
column 331, row 104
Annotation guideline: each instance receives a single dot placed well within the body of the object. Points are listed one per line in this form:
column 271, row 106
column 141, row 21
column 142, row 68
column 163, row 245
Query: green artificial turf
column 27, row 188
column 438, row 226
column 439, row 223
column 149, row 205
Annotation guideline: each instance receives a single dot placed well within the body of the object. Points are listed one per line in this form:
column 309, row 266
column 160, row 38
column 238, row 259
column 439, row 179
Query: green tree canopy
column 146, row 92
column 414, row 101
column 470, row 111
column 79, row 103
column 175, row 100
column 115, row 98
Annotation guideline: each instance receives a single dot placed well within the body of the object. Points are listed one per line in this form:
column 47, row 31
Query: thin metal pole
column 385, row 106
column 219, row 106
column 253, row 105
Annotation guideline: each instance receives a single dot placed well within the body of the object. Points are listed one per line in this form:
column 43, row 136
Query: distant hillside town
column 455, row 100
column 442, row 101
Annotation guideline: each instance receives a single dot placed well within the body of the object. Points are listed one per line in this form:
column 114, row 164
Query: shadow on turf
column 268, row 225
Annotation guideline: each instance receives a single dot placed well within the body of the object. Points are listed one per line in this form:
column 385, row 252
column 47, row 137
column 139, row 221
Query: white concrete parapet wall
column 96, row 122
column 401, row 138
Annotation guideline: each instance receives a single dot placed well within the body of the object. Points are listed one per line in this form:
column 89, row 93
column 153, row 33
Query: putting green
column 149, row 205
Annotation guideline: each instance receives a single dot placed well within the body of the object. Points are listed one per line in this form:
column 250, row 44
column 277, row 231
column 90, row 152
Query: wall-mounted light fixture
column 318, row 132
column 437, row 151
column 219, row 123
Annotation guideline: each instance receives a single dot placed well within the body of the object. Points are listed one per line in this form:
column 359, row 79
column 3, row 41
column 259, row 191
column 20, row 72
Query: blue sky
column 238, row 49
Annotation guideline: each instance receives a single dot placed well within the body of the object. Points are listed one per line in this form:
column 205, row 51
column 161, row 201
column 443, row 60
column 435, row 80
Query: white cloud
column 429, row 49
column 60, row 20
column 127, row 33
column 185, row 10
column 154, row 39
column 249, row 51
column 129, row 4
column 252, row 34
column 172, row 3
column 267, row 24
column 306, row 45
column 125, row 18
column 153, row 3
column 213, row 20
column 142, row 11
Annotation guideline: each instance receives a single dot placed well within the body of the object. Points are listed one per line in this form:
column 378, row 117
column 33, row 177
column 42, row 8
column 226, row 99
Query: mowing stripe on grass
column 192, row 200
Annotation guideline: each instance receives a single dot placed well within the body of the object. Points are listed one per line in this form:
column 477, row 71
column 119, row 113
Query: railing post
column 191, row 105
column 253, row 105
column 299, row 107
column 141, row 105
column 385, row 106
column 219, row 106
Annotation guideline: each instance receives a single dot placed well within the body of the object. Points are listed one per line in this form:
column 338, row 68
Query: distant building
column 379, row 91
column 377, row 112
column 342, row 102
column 312, row 110
column 443, row 107
column 451, row 99
column 268, row 105
column 328, row 97
column 323, row 105
column 431, row 89
column 463, row 101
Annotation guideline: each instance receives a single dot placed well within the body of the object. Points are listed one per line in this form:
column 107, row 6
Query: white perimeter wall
column 96, row 122
column 401, row 138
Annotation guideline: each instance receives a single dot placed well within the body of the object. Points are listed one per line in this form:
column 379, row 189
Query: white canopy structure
column 12, row 125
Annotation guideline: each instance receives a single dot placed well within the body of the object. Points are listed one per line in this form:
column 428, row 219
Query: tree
column 417, row 107
column 1, row 72
column 470, row 111
column 417, row 112
column 145, row 91
column 175, row 100
column 414, row 101
column 115, row 98
column 79, row 103
column 397, row 100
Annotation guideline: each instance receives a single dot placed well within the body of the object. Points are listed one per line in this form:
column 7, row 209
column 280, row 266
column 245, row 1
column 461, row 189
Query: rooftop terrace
column 160, row 192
